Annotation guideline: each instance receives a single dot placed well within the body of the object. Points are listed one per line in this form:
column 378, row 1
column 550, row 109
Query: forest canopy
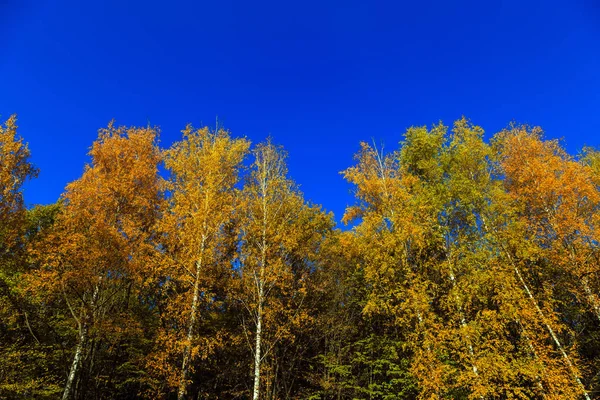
column 470, row 270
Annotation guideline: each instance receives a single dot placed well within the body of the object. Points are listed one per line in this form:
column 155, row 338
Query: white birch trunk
column 542, row 316
column 83, row 327
column 257, row 348
column 76, row 364
column 185, row 366
column 260, row 286
column 549, row 328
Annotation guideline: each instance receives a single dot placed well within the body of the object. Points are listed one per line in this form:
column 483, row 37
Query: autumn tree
column 481, row 295
column 470, row 271
column 279, row 239
column 433, row 263
column 553, row 200
column 390, row 239
column 559, row 199
column 22, row 369
column 15, row 169
column 204, row 169
column 97, row 255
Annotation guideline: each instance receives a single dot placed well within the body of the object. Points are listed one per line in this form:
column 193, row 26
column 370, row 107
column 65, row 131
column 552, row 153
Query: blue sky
column 318, row 76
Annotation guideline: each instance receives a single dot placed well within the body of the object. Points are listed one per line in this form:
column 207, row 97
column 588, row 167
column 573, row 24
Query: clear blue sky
column 318, row 76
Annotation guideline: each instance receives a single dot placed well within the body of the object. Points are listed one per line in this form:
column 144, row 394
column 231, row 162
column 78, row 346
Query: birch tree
column 280, row 236
column 423, row 225
column 204, row 169
column 100, row 243
column 549, row 216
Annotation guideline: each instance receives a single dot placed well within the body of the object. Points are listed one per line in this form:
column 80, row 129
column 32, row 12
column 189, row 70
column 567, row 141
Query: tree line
column 471, row 271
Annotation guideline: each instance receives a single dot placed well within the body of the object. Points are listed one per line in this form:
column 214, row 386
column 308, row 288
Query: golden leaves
column 15, row 169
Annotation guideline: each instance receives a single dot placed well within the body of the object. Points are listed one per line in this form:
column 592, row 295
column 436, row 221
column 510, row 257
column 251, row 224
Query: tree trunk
column 548, row 327
column 76, row 364
column 257, row 353
column 83, row 328
column 185, row 366
column 260, row 286
column 541, row 314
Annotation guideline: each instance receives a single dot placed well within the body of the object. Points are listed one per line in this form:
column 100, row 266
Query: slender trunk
column 76, row 364
column 185, row 366
column 259, row 315
column 260, row 286
column 257, row 353
column 83, row 328
column 541, row 314
column 549, row 328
